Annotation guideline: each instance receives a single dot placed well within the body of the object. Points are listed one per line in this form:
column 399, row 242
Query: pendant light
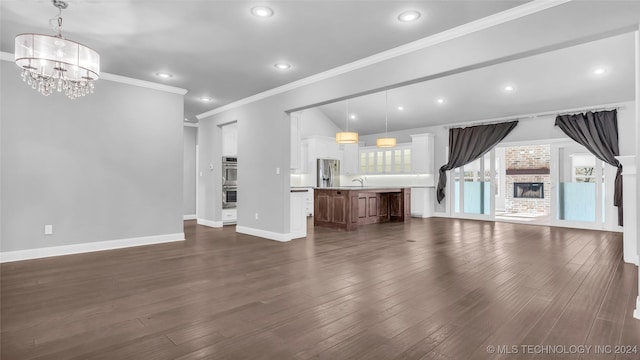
column 386, row 141
column 347, row 137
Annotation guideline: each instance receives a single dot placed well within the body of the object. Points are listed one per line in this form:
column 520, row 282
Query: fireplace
column 528, row 190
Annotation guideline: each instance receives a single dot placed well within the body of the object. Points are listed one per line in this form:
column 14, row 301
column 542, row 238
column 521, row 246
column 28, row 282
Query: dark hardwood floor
column 427, row 289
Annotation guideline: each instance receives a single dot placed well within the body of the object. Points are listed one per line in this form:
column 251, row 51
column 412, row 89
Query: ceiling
column 218, row 49
column 556, row 80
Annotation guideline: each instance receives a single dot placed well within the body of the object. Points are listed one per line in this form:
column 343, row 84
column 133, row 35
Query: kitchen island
column 346, row 208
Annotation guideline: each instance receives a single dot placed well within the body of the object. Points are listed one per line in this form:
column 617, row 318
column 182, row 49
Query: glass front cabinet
column 395, row 160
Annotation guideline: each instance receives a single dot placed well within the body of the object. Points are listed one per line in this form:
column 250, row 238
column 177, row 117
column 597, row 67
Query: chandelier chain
column 59, row 26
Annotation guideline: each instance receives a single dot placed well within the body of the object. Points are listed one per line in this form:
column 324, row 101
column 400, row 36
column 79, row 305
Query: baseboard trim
column 421, row 215
column 210, row 223
column 264, row 234
column 441, row 215
column 636, row 314
column 189, row 217
column 635, row 260
column 19, row 255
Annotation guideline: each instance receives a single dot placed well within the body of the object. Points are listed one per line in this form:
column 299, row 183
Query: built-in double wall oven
column 229, row 182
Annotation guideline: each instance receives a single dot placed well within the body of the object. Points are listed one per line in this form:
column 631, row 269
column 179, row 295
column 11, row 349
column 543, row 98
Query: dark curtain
column 598, row 132
column 470, row 143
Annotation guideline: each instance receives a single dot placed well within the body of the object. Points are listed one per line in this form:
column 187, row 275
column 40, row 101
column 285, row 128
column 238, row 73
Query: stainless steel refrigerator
column 328, row 173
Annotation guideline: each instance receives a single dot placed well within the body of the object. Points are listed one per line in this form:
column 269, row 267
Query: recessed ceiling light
column 400, row 108
column 164, row 75
column 509, row 88
column 282, row 66
column 262, row 11
column 599, row 71
column 353, row 117
column 408, row 16
column 440, row 100
column 206, row 99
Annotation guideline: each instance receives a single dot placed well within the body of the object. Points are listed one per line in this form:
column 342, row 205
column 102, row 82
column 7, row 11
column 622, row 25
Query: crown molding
column 6, row 56
column 142, row 83
column 447, row 35
column 120, row 79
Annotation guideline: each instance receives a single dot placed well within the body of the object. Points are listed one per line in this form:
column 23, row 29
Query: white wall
column 263, row 147
column 315, row 122
column 107, row 166
column 189, row 175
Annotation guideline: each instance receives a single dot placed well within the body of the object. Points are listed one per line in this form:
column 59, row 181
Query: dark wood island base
column 348, row 208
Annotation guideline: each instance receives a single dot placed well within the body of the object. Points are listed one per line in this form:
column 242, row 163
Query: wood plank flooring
column 427, row 289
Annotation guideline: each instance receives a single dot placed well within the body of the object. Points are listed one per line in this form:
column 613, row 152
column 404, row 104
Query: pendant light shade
column 386, row 142
column 347, row 137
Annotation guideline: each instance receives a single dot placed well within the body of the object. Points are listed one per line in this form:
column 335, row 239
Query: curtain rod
column 583, row 110
column 535, row 115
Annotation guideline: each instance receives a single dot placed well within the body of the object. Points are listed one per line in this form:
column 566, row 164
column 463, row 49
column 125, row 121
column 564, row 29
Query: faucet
column 360, row 180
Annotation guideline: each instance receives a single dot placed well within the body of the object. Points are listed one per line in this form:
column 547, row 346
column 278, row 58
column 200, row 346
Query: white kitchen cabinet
column 230, row 140
column 229, row 216
column 320, row 147
column 422, row 150
column 396, row 160
column 298, row 219
column 323, row 147
column 422, row 202
column 296, row 145
column 308, row 203
column 303, row 160
column 350, row 159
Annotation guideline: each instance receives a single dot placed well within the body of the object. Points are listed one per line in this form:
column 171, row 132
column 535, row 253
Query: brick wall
column 528, row 157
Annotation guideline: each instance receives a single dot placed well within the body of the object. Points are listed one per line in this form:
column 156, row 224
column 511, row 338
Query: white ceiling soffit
column 469, row 28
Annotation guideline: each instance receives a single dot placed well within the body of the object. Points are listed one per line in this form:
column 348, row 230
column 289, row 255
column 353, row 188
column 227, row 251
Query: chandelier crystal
column 53, row 63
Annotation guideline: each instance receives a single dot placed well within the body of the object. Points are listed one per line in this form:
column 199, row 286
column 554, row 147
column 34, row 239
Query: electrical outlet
column 48, row 229
column 256, row 216
column 277, row 171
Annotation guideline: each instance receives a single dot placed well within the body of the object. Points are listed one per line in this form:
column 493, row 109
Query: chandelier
column 53, row 63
